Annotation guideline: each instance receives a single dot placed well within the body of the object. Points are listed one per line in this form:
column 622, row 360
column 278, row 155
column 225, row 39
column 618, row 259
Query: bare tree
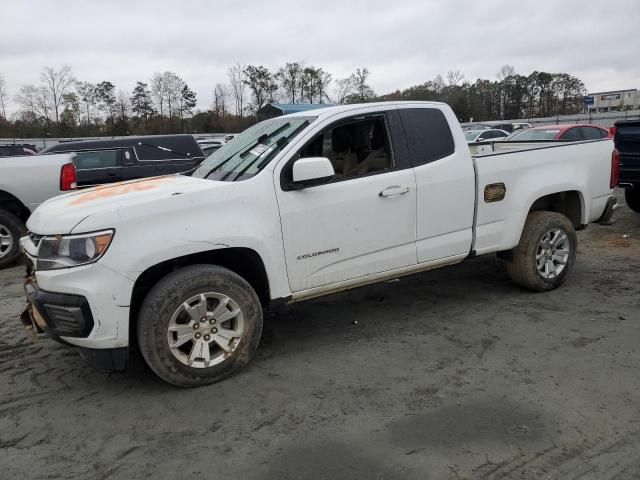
column 55, row 85
column 505, row 72
column 34, row 101
column 3, row 97
column 159, row 94
column 220, row 94
column 87, row 94
column 454, row 77
column 343, row 89
column 238, row 86
column 173, row 90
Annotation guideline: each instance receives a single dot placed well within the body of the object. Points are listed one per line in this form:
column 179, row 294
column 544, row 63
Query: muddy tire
column 546, row 252
column 198, row 325
column 632, row 196
column 11, row 229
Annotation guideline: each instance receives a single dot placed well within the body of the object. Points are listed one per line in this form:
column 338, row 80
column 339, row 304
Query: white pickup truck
column 294, row 208
column 25, row 182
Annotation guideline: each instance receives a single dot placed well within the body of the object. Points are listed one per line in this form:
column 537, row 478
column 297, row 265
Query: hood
column 60, row 215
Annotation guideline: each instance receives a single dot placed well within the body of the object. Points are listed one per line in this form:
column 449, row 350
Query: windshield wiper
column 248, row 150
column 217, row 167
column 273, row 148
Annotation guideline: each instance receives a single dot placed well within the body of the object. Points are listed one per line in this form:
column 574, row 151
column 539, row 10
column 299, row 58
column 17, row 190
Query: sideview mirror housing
column 311, row 171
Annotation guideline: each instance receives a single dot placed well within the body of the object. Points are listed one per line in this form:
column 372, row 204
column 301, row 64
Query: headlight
column 65, row 251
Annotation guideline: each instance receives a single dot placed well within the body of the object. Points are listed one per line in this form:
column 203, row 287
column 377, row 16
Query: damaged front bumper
column 63, row 317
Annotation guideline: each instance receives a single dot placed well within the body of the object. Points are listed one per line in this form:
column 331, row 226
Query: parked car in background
column 500, row 125
column 15, row 149
column 294, row 208
column 627, row 141
column 568, row 133
column 209, row 146
column 26, row 182
column 127, row 158
column 474, row 136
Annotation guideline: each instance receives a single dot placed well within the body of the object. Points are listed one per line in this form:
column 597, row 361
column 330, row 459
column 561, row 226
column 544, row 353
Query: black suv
column 627, row 140
column 16, row 149
column 127, row 158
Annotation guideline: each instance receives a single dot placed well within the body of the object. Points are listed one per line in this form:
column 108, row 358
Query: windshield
column 251, row 151
column 535, row 134
column 471, row 135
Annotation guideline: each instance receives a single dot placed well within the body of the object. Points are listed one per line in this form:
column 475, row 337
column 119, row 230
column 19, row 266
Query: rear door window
column 571, row 135
column 592, row 133
column 428, row 134
column 97, row 159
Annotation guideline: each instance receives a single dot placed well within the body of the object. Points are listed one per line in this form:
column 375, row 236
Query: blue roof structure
column 299, row 107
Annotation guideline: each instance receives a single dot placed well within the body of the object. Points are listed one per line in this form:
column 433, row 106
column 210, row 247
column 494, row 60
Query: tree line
column 61, row 105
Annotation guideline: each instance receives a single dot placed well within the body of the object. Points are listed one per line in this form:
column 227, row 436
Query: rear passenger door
column 97, row 167
column 445, row 182
column 592, row 133
column 572, row 135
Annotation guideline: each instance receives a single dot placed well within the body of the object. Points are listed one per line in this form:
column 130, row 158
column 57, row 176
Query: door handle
column 394, row 191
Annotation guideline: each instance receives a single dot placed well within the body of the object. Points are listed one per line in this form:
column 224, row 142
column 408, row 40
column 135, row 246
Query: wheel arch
column 13, row 205
column 244, row 261
column 569, row 203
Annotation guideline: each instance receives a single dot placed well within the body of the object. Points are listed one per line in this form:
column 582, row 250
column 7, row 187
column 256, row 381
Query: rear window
column 428, row 134
column 535, row 134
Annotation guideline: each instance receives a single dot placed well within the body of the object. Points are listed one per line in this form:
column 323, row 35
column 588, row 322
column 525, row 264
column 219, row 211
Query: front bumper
column 86, row 307
column 63, row 316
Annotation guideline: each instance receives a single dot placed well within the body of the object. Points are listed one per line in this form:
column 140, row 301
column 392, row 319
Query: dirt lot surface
column 455, row 373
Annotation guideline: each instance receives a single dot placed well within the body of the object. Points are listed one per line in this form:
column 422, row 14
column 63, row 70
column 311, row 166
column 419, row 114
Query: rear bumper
column 609, row 209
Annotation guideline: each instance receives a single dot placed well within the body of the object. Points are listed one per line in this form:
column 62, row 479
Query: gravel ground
column 455, row 373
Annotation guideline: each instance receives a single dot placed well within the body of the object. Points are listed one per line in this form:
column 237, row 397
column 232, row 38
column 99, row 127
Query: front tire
column 632, row 196
column 546, row 252
column 11, row 229
column 198, row 325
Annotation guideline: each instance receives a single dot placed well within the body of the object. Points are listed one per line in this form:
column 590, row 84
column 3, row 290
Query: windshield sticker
column 119, row 189
column 259, row 150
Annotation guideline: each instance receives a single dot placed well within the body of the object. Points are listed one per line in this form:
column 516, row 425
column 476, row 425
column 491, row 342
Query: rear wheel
column 632, row 196
column 546, row 252
column 11, row 229
column 199, row 325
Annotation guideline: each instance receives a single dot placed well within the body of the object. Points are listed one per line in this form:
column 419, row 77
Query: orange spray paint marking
column 118, row 189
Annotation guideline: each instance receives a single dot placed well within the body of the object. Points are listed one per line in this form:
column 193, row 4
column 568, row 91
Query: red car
column 568, row 133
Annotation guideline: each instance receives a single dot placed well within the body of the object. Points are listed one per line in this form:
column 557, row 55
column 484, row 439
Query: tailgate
column 627, row 140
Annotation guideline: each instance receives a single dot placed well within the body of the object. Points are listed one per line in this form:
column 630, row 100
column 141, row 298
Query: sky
column 402, row 43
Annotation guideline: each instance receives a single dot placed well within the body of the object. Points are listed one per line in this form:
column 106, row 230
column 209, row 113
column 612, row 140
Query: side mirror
column 311, row 171
column 481, row 139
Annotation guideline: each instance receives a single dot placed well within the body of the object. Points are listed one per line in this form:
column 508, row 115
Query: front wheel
column 199, row 325
column 546, row 252
column 11, row 229
column 632, row 196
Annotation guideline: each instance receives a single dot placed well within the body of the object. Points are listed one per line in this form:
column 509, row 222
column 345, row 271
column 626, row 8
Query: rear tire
column 632, row 196
column 11, row 229
column 198, row 325
column 546, row 252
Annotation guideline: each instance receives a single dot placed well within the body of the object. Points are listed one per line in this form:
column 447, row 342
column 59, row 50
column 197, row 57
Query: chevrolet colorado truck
column 25, row 182
column 298, row 207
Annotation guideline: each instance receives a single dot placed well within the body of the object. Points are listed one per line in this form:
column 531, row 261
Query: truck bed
column 530, row 171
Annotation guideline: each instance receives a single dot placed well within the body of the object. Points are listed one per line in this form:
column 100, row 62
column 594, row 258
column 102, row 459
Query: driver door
column 361, row 222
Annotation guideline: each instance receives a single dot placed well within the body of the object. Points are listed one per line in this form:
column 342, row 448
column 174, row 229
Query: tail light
column 615, row 168
column 612, row 131
column 68, row 178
